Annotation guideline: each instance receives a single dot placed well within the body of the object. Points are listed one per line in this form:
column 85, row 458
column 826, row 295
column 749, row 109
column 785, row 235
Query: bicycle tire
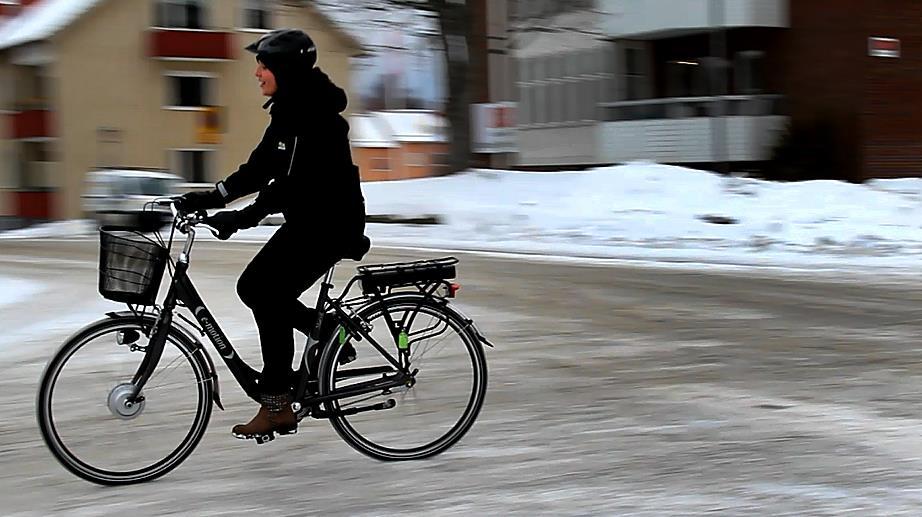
column 374, row 311
column 103, row 476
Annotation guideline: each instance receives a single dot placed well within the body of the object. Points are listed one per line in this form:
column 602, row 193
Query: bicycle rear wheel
column 95, row 432
column 418, row 421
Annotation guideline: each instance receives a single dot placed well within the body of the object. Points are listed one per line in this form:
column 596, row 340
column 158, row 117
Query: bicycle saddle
column 357, row 249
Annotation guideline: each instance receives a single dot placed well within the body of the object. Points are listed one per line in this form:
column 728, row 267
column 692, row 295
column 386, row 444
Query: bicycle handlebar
column 185, row 222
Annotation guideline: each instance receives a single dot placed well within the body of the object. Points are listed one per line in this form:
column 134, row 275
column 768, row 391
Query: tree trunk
column 455, row 24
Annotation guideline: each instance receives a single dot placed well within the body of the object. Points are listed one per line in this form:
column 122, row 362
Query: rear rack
column 423, row 274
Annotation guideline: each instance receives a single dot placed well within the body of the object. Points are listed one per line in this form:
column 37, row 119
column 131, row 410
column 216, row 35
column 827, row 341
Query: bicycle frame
column 183, row 293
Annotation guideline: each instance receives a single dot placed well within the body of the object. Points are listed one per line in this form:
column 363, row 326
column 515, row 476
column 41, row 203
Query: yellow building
column 160, row 84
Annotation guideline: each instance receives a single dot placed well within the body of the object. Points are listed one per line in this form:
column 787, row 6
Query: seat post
column 328, row 277
column 325, row 285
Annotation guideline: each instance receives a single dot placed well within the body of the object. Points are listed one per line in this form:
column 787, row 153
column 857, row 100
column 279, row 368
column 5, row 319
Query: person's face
column 266, row 79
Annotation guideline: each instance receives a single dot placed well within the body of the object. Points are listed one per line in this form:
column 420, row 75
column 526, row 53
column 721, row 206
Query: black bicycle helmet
column 285, row 46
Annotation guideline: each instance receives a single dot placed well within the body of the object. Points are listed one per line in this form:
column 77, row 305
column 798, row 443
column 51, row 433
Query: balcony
column 33, row 203
column 190, row 44
column 692, row 107
column 682, row 130
column 656, row 19
column 30, row 124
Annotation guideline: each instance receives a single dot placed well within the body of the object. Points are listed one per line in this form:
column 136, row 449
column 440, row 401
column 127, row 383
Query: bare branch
column 421, row 5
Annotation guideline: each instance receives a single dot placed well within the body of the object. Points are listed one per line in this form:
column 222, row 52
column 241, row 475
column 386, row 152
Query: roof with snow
column 42, row 20
column 391, row 128
column 415, row 125
column 367, row 130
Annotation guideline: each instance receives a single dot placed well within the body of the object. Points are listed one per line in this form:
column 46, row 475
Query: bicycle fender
column 469, row 323
column 190, row 336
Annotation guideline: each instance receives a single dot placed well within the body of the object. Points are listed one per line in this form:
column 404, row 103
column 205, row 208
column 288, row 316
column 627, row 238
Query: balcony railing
column 692, row 130
column 168, row 43
column 37, row 203
column 693, row 107
column 33, row 123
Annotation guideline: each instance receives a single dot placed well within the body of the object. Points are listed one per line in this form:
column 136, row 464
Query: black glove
column 226, row 223
column 192, row 201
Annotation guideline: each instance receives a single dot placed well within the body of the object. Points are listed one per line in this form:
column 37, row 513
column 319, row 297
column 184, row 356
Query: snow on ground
column 16, row 290
column 644, row 211
column 77, row 227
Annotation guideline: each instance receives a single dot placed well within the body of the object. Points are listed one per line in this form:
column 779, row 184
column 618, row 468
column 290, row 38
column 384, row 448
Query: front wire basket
column 131, row 266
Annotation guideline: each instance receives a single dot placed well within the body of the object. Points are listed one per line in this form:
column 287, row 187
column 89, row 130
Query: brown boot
column 274, row 416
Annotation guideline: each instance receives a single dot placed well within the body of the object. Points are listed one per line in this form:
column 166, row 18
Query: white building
column 675, row 81
column 565, row 70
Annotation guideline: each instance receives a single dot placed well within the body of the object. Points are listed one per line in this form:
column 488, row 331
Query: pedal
column 306, row 411
column 260, row 438
column 265, row 438
column 301, row 413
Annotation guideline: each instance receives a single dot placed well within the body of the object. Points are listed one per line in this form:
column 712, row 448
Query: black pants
column 270, row 285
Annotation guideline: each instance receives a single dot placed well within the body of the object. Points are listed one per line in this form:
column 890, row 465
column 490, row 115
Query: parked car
column 117, row 196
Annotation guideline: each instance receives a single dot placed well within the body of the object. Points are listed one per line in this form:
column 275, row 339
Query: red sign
column 883, row 47
column 503, row 116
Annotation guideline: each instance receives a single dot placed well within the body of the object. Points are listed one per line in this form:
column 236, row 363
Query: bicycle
column 400, row 332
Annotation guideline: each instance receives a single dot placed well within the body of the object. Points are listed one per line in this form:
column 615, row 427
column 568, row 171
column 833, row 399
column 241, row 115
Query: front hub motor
column 120, row 405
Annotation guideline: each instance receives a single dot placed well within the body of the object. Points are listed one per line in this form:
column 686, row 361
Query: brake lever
column 200, row 216
column 211, row 229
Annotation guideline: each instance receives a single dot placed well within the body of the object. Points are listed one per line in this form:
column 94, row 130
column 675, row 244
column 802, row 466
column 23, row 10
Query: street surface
column 614, row 390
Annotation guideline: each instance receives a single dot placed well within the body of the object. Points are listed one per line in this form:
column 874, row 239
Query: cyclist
column 302, row 168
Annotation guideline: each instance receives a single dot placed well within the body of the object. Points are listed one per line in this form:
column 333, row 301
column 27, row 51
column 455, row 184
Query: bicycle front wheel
column 422, row 419
column 99, row 435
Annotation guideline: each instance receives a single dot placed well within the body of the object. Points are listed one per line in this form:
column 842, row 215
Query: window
column 257, row 14
column 183, row 14
column 416, row 159
column 193, row 164
column 749, row 75
column 189, row 90
column 584, row 88
column 524, row 85
column 634, row 73
column 527, row 105
column 379, row 164
column 572, row 87
column 687, row 78
column 539, row 115
column 557, row 92
column 31, row 88
column 33, row 165
column 440, row 160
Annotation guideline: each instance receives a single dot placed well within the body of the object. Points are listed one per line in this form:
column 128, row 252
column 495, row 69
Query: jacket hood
column 306, row 91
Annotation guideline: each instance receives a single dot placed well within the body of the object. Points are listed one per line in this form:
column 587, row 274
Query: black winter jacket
column 303, row 165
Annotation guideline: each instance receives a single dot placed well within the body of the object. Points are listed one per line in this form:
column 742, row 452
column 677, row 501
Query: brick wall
column 874, row 103
column 374, row 163
column 824, row 61
column 892, row 109
column 410, row 160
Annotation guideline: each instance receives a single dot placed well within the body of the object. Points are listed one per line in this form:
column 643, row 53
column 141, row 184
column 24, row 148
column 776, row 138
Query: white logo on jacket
column 282, row 146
